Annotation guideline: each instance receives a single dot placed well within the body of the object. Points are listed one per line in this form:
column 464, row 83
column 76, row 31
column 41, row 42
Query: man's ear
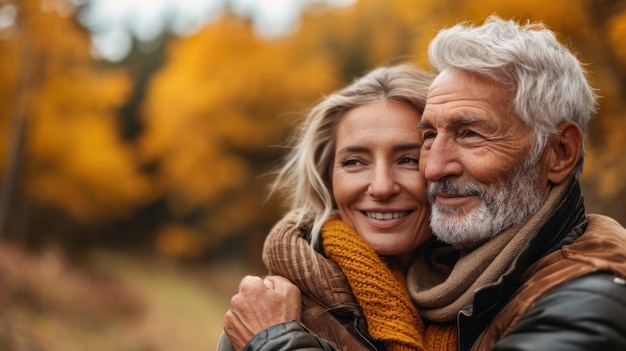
column 565, row 151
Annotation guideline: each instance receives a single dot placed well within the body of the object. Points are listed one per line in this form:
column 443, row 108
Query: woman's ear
column 565, row 151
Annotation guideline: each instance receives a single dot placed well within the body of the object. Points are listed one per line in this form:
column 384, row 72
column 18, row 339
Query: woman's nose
column 383, row 184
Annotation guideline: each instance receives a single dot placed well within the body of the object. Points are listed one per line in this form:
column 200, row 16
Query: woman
column 358, row 212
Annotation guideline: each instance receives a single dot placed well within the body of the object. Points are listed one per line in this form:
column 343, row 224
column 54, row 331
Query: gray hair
column 549, row 82
column 305, row 177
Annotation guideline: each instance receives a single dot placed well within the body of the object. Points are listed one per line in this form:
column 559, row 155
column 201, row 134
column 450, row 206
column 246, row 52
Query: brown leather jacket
column 329, row 309
column 600, row 249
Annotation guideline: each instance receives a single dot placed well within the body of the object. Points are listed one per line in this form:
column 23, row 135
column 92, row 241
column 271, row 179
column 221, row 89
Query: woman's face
column 376, row 181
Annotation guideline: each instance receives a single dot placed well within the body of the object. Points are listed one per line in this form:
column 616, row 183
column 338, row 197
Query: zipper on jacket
column 359, row 328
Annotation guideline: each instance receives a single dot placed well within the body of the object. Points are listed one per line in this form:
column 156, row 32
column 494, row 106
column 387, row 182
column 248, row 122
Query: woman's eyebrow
column 352, row 148
column 407, row 146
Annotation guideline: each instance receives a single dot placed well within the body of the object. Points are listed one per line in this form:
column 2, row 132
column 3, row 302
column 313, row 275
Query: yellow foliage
column 74, row 156
column 218, row 98
column 85, row 168
column 617, row 36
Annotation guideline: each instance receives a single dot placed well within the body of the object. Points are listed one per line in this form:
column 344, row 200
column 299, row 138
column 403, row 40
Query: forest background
column 133, row 194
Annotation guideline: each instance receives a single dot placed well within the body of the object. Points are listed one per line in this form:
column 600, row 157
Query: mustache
column 456, row 187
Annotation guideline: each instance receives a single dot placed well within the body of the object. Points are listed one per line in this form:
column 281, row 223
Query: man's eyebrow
column 424, row 124
column 464, row 120
column 455, row 121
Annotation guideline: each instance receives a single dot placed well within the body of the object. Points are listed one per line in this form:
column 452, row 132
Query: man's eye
column 428, row 138
column 428, row 135
column 468, row 133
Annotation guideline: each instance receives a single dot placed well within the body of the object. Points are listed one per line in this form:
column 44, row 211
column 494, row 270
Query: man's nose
column 441, row 159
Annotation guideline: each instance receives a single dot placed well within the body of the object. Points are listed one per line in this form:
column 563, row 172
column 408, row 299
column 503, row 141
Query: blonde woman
column 358, row 213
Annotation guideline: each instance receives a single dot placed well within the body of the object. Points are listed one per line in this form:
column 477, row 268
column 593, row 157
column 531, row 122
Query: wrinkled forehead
column 467, row 95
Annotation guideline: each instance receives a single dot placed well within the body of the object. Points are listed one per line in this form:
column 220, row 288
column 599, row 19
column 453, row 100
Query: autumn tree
column 73, row 159
column 214, row 117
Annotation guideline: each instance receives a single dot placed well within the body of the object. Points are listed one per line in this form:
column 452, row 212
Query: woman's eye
column 409, row 159
column 351, row 162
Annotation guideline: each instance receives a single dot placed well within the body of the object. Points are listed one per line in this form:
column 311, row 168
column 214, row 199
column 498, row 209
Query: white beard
column 501, row 206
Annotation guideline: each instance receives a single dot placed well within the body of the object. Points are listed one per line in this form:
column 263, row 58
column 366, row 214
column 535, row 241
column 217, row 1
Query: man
column 502, row 136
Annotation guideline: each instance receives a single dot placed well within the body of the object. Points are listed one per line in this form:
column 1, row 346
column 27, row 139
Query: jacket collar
column 565, row 224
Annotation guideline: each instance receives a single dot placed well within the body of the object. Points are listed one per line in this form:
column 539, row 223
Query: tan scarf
column 441, row 293
column 380, row 288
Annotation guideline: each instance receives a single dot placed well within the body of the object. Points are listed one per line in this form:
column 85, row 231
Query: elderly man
column 523, row 267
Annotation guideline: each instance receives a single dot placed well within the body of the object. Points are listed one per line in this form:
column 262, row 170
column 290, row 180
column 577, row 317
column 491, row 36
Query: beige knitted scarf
column 441, row 292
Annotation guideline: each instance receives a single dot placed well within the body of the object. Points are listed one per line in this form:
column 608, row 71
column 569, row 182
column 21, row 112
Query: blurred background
column 136, row 137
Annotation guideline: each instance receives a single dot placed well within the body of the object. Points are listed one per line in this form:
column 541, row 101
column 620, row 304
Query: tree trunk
column 17, row 132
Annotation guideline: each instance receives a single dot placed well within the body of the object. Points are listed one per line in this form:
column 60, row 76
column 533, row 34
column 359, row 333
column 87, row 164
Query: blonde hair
column 305, row 177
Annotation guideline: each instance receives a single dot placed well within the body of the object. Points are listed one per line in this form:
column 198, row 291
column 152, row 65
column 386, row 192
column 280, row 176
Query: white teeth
column 386, row 215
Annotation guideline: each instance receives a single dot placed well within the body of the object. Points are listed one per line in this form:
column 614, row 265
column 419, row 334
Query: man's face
column 475, row 158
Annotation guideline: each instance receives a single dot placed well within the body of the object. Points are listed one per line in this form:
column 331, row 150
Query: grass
column 113, row 301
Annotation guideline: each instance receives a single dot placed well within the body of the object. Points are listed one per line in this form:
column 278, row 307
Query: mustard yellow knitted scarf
column 380, row 289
